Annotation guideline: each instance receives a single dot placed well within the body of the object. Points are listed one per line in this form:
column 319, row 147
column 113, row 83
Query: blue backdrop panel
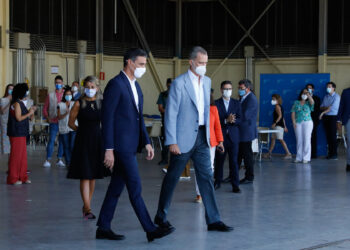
column 288, row 87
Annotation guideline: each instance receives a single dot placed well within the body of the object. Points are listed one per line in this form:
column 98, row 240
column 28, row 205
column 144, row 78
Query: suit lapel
column 190, row 89
column 222, row 106
column 127, row 83
column 230, row 107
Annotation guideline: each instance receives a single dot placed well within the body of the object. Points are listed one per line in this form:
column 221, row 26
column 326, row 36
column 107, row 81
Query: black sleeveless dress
column 275, row 116
column 87, row 156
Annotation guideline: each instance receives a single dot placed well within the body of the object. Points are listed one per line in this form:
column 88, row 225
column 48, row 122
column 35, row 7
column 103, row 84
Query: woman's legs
column 284, row 145
column 272, row 144
column 85, row 194
column 92, row 188
column 300, row 141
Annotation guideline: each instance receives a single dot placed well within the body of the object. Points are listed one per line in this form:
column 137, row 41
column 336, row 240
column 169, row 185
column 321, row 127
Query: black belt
column 201, row 127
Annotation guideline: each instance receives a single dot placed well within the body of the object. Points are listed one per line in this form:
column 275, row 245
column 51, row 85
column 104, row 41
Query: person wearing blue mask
column 66, row 134
column 329, row 108
column 50, row 113
column 315, row 114
column 5, row 103
column 248, row 130
column 344, row 120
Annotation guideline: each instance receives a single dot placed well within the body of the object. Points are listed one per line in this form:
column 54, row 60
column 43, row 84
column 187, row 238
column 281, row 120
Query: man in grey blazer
column 187, row 135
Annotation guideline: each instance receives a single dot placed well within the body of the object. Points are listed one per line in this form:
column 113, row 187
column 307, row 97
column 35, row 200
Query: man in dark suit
column 247, row 128
column 315, row 119
column 230, row 117
column 344, row 120
column 124, row 134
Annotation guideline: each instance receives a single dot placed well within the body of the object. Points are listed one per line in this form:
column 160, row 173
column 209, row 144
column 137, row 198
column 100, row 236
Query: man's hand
column 285, row 129
column 231, row 118
column 174, row 149
column 150, row 152
column 109, row 159
column 321, row 115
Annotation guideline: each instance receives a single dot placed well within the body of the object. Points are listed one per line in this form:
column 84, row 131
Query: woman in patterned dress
column 4, row 115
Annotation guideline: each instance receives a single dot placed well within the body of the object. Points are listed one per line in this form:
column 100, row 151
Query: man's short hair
column 247, row 83
column 331, row 83
column 195, row 50
column 59, row 78
column 225, row 82
column 310, row 84
column 133, row 54
column 169, row 80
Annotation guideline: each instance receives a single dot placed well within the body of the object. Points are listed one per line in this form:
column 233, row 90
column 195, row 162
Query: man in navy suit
column 230, row 117
column 124, row 134
column 344, row 119
column 248, row 130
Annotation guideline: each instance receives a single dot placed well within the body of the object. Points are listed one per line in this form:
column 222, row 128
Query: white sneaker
column 164, row 170
column 61, row 164
column 47, row 164
column 297, row 161
column 183, row 178
column 305, row 161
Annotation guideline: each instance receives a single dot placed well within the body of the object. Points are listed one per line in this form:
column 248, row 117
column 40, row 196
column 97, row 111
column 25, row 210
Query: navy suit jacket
column 229, row 130
column 123, row 127
column 344, row 107
column 248, row 130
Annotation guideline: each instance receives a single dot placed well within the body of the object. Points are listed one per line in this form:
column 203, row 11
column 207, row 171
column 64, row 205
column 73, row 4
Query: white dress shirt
column 226, row 103
column 134, row 90
column 197, row 83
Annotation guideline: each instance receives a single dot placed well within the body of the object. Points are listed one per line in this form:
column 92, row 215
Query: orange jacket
column 215, row 127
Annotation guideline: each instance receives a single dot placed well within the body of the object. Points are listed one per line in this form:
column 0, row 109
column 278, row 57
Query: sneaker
column 164, row 170
column 198, row 199
column 297, row 161
column 305, row 161
column 61, row 164
column 17, row 183
column 287, row 157
column 185, row 178
column 28, row 182
column 47, row 164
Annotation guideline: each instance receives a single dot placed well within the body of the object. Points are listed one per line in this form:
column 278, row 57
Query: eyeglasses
column 227, row 89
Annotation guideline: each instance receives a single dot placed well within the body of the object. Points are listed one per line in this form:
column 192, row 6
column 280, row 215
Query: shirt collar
column 130, row 81
column 193, row 77
column 332, row 94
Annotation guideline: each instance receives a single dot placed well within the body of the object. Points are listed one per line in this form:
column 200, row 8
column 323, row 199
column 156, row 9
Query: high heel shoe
column 88, row 215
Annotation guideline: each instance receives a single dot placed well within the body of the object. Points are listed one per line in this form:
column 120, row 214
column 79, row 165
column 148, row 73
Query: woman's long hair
column 19, row 92
column 99, row 95
column 6, row 94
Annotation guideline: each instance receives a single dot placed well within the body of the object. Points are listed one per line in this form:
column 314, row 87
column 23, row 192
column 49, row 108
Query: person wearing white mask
column 187, row 132
column 86, row 163
column 230, row 114
column 329, row 108
column 302, row 123
column 66, row 134
column 75, row 90
column 280, row 125
column 124, row 134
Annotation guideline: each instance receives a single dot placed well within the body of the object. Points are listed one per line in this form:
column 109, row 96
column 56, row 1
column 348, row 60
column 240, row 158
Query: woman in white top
column 65, row 132
column 4, row 115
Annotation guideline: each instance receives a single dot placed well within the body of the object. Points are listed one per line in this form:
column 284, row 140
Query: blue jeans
column 66, row 140
column 72, row 135
column 347, row 127
column 200, row 155
column 53, row 130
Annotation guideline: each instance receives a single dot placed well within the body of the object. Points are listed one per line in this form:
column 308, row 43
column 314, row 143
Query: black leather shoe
column 236, row 190
column 245, row 181
column 163, row 225
column 219, row 226
column 108, row 235
column 347, row 168
column 217, row 185
column 158, row 233
column 227, row 180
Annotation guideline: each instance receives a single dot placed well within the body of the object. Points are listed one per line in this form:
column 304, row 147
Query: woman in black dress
column 87, row 156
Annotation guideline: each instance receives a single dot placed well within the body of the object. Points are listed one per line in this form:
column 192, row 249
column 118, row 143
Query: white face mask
column 138, row 73
column 90, row 92
column 304, row 97
column 273, row 102
column 227, row 93
column 329, row 90
column 74, row 88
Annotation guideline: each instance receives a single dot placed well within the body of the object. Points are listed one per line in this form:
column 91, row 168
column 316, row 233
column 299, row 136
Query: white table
column 261, row 145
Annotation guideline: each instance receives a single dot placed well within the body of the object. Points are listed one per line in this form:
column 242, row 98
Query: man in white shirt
column 187, row 134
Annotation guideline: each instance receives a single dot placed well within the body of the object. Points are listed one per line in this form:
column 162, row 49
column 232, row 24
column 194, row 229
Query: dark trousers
column 200, row 156
column 165, row 149
column 245, row 153
column 232, row 150
column 314, row 139
column 125, row 173
column 330, row 126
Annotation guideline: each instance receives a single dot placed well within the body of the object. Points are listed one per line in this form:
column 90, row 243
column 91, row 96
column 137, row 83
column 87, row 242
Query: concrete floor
column 289, row 206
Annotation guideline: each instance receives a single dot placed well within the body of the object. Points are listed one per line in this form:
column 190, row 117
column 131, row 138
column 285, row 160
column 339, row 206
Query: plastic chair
column 156, row 132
